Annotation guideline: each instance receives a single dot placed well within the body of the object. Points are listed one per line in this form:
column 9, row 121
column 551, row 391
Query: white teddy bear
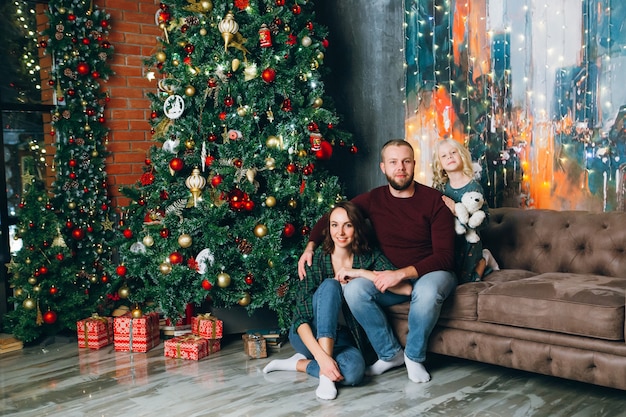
column 469, row 215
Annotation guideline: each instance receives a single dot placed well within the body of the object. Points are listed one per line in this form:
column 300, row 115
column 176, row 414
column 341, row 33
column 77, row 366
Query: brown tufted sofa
column 556, row 307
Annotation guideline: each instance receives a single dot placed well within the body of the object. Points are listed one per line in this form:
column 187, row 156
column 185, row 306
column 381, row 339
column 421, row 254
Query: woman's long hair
column 362, row 230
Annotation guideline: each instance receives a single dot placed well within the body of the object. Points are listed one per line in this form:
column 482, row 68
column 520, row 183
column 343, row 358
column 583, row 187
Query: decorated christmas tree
column 58, row 275
column 245, row 135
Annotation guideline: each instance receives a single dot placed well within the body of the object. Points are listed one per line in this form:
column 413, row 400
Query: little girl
column 453, row 176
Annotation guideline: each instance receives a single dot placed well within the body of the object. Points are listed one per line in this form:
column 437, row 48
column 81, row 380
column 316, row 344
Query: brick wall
column 133, row 34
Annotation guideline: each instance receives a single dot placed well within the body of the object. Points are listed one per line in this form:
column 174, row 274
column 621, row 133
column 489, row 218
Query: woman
column 325, row 347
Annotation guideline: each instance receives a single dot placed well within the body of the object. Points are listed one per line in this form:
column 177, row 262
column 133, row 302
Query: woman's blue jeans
column 327, row 301
column 367, row 303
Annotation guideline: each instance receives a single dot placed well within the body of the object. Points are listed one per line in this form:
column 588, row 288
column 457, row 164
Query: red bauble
column 248, row 205
column 78, row 234
column 53, row 290
column 177, row 164
column 268, row 75
column 249, row 278
column 176, row 258
column 280, row 2
column 212, row 137
column 43, row 270
column 60, row 256
column 164, row 233
column 223, row 115
column 128, row 234
column 72, row 163
column 121, row 270
column 49, row 317
column 73, row 175
column 292, row 168
column 305, row 230
column 206, row 284
column 325, row 152
column 154, row 115
column 296, row 9
column 325, row 43
column 83, row 68
column 313, row 127
column 216, row 180
column 289, row 230
column 353, row 149
column 104, row 279
column 228, row 101
column 69, row 224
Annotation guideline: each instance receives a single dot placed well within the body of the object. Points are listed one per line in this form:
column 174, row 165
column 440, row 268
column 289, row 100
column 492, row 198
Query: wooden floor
column 61, row 380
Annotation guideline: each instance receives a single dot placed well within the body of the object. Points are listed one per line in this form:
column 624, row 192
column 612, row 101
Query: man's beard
column 397, row 186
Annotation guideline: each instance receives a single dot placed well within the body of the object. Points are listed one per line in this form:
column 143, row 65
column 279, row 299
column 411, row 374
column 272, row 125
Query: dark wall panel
column 366, row 59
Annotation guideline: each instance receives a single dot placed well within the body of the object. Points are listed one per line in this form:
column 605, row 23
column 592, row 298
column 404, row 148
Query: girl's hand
column 329, row 367
column 449, row 202
column 346, row 274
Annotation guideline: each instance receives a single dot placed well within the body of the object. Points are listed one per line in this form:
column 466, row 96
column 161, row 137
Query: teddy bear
column 469, row 215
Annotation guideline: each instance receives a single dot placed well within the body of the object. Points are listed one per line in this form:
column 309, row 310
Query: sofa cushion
column 579, row 304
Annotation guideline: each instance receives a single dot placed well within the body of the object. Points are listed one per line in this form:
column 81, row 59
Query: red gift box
column 190, row 347
column 136, row 335
column 207, row 326
column 95, row 332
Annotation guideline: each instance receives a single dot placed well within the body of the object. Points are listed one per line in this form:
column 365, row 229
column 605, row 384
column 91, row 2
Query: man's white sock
column 381, row 366
column 417, row 372
column 288, row 364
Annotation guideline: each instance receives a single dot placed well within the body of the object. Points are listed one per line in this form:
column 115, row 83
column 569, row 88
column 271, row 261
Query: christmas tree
column 244, row 139
column 58, row 276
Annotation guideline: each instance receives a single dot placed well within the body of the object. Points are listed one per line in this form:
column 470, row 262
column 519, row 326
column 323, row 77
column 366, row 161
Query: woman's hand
column 329, row 368
column 346, row 274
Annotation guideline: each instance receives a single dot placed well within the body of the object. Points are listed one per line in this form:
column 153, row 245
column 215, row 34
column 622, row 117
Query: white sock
column 288, row 364
column 416, row 371
column 490, row 260
column 326, row 389
column 381, row 366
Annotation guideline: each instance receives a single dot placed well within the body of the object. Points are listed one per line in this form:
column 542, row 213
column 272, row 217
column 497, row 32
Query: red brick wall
column 133, row 34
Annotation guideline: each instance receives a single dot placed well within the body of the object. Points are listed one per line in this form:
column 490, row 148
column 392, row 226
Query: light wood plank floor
column 61, row 380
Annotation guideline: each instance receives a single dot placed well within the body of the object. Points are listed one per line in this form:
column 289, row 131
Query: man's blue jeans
column 366, row 304
column 327, row 301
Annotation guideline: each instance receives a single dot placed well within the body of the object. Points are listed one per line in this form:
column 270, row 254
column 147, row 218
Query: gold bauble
column 206, row 5
column 273, row 142
column 94, row 154
column 270, row 163
column 160, row 56
column 260, row 230
column 27, row 261
column 302, row 153
column 270, row 201
column 175, row 62
column 93, row 279
column 223, row 280
column 17, row 292
column 235, row 64
column 165, row 268
column 245, row 300
column 137, row 313
column 270, row 263
column 292, row 203
column 190, row 91
column 203, row 32
column 71, row 205
column 314, row 64
column 32, row 280
column 28, row 303
column 190, row 144
column 320, row 56
column 184, row 240
column 318, row 102
column 242, row 111
column 123, row 292
column 36, row 288
column 148, row 240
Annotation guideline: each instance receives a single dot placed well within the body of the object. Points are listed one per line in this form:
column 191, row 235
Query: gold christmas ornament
column 184, row 240
column 160, row 56
column 165, row 268
column 228, row 28
column 203, row 32
column 148, row 240
column 71, row 205
column 137, row 313
column 292, row 203
column 190, row 144
column 223, row 280
column 32, row 280
column 235, row 64
column 273, row 142
column 206, row 5
column 36, row 288
column 190, row 91
column 18, row 292
column 306, row 41
column 302, row 153
column 195, row 182
column 28, row 303
column 270, row 201
column 270, row 163
column 245, row 300
column 123, row 292
column 260, row 230
column 242, row 111
column 270, row 263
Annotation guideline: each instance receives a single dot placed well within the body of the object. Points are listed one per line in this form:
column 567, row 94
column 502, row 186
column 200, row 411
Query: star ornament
column 107, row 224
column 11, row 266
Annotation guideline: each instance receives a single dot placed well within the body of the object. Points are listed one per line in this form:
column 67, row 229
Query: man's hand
column 305, row 258
column 383, row 280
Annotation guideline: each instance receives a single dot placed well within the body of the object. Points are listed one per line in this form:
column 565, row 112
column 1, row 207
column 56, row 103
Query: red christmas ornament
column 248, row 205
column 280, row 2
column 83, row 68
column 78, row 234
column 95, row 75
column 289, row 230
column 90, row 229
column 212, row 137
column 43, row 270
column 121, row 270
column 296, row 9
column 353, row 149
column 69, row 224
column 305, row 230
column 53, row 290
column 128, row 234
column 104, row 279
column 189, row 48
column 216, row 180
column 73, row 175
column 49, row 317
column 313, row 127
column 72, row 163
column 223, row 115
column 292, row 168
column 268, row 75
column 325, row 43
column 206, row 284
column 212, row 83
column 249, row 278
column 71, row 92
column 228, row 101
column 325, row 152
column 177, row 164
column 60, row 256
column 86, row 41
column 286, row 106
column 176, row 258
column 154, row 115
column 71, row 17
column 164, row 233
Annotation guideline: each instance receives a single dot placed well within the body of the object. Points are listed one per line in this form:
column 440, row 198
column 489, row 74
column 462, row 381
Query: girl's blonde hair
column 440, row 177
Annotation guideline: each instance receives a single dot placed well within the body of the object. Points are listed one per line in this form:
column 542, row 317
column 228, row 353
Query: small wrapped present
column 190, row 347
column 207, row 326
column 136, row 334
column 95, row 332
column 254, row 345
